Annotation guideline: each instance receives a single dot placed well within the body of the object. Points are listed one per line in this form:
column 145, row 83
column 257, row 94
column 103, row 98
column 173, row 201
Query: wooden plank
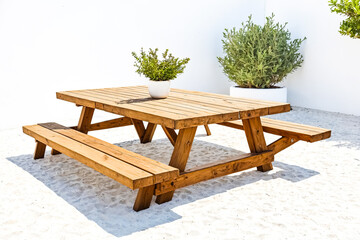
column 139, row 104
column 139, row 127
column 55, row 152
column 114, row 168
column 113, row 123
column 170, row 133
column 39, row 150
column 113, row 107
column 288, row 129
column 83, row 125
column 281, row 144
column 248, row 107
column 256, row 140
column 182, row 117
column 149, row 133
column 161, row 171
column 85, row 119
column 182, row 109
column 167, row 105
column 207, row 129
column 214, row 170
column 143, row 198
column 231, row 99
column 179, row 157
column 216, row 100
column 171, row 102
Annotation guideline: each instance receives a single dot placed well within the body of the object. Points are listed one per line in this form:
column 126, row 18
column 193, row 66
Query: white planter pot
column 159, row 89
column 268, row 94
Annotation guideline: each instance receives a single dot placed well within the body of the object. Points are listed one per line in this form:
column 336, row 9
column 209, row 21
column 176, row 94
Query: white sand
column 312, row 193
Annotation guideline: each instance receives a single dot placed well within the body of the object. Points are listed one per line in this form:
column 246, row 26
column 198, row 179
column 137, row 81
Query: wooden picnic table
column 184, row 111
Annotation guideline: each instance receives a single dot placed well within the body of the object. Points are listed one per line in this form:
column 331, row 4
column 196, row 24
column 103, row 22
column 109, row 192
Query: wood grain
column 39, row 150
column 182, row 109
column 207, row 129
column 179, row 157
column 143, row 198
column 214, row 170
column 287, row 129
column 113, row 123
column 256, row 140
column 121, row 171
column 149, row 133
column 85, row 119
column 139, row 127
column 170, row 133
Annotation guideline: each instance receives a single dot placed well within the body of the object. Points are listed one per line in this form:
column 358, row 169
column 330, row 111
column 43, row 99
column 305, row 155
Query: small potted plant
column 258, row 58
column 159, row 72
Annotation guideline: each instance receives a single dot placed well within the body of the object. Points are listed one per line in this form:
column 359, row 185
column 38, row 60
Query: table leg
column 145, row 135
column 256, row 140
column 149, row 133
column 83, row 125
column 207, row 129
column 85, row 119
column 179, row 156
column 170, row 133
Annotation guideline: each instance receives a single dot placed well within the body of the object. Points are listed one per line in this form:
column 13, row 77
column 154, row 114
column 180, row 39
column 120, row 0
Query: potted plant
column 159, row 72
column 351, row 9
column 258, row 58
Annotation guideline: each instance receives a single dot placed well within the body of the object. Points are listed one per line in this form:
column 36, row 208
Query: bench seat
column 287, row 129
column 129, row 168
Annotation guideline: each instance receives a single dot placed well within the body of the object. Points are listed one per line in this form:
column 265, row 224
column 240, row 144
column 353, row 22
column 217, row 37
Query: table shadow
column 109, row 203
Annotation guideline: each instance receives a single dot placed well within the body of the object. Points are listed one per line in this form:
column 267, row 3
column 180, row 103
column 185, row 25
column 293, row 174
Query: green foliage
column 151, row 67
column 351, row 9
column 259, row 57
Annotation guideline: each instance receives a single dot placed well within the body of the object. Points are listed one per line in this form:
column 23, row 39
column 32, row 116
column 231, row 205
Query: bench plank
column 287, row 129
column 112, row 167
column 161, row 171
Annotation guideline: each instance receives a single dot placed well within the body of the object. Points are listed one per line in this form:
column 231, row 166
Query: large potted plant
column 159, row 72
column 257, row 58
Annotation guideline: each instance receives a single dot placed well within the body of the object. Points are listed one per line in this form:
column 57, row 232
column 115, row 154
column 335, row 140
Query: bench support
column 83, row 125
column 143, row 198
column 39, row 150
column 113, row 123
column 256, row 140
column 179, row 156
column 214, row 170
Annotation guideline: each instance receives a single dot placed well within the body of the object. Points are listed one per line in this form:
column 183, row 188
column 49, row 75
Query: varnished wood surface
column 126, row 167
column 287, row 129
column 256, row 140
column 179, row 157
column 214, row 170
column 182, row 109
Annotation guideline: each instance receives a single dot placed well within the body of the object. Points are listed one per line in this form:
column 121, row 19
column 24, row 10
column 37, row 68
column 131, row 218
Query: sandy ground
column 312, row 193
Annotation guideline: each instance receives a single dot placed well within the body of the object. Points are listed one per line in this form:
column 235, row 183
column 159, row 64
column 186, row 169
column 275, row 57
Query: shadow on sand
column 109, row 203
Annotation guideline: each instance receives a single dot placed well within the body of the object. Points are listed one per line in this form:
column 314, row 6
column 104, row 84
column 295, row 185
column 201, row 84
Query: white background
column 330, row 76
column 48, row 46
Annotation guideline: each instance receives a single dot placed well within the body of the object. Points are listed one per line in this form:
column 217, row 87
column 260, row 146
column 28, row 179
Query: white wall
column 329, row 79
column 48, row 46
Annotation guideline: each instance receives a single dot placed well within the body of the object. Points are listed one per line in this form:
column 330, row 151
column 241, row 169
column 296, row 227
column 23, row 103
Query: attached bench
column 291, row 130
column 130, row 169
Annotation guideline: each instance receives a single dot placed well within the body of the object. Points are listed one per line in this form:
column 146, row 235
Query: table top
column 181, row 109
